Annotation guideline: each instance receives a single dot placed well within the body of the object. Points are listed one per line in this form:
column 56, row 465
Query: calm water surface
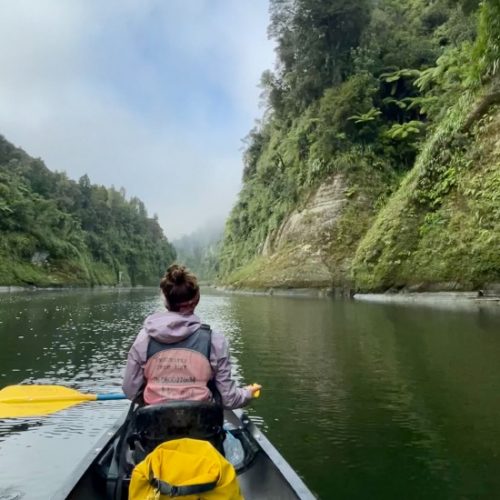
column 364, row 400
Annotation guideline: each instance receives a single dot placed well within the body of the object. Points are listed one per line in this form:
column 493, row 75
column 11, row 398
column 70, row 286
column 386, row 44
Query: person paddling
column 175, row 357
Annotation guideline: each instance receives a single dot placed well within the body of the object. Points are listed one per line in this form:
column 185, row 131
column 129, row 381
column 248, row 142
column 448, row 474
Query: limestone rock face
column 40, row 258
column 308, row 226
column 295, row 252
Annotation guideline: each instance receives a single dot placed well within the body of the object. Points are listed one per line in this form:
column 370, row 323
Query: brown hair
column 180, row 288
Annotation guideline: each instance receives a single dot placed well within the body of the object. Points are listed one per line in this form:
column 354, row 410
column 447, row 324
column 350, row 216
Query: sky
column 154, row 96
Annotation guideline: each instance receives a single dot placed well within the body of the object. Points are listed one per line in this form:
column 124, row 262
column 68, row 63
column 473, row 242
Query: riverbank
column 31, row 288
column 9, row 289
column 487, row 296
column 431, row 298
column 283, row 292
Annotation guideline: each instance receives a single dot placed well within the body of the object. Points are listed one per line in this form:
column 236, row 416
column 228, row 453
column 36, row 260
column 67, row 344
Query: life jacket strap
column 170, row 490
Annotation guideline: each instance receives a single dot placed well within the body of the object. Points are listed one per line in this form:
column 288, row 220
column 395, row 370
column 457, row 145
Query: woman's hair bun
column 179, row 286
column 176, row 274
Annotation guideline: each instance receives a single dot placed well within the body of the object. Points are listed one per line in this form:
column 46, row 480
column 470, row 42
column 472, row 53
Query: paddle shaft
column 110, row 396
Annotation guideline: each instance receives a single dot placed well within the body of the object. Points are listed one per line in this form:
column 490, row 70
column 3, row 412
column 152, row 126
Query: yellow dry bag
column 187, row 468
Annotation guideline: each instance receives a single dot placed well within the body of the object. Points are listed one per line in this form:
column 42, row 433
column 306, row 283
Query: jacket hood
column 169, row 327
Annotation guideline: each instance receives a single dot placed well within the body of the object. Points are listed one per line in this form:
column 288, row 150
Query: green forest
column 376, row 163
column 55, row 231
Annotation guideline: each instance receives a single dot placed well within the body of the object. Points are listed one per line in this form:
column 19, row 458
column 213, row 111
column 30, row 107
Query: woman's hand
column 254, row 390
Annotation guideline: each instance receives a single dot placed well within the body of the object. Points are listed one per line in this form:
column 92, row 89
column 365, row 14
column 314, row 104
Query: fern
column 401, row 131
column 369, row 116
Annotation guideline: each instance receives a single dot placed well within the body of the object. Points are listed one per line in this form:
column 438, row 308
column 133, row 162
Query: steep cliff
column 314, row 245
column 376, row 164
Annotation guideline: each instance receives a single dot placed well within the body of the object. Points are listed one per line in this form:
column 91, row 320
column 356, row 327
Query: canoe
column 264, row 475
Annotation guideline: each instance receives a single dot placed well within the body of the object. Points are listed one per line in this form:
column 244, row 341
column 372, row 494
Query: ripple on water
column 68, row 346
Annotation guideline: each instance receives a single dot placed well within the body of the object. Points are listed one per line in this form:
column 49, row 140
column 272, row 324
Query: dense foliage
column 442, row 227
column 359, row 89
column 56, row 231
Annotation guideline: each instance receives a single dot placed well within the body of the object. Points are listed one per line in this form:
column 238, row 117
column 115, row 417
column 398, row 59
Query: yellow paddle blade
column 35, row 400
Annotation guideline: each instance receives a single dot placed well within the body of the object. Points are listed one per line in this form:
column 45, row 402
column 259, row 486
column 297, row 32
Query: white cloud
column 153, row 96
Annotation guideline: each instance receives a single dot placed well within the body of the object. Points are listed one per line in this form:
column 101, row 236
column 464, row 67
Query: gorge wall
column 383, row 174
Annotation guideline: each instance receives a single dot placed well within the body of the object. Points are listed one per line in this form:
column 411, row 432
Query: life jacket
column 190, row 469
column 179, row 371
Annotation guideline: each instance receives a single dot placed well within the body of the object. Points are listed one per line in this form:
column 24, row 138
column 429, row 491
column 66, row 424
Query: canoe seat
column 154, row 424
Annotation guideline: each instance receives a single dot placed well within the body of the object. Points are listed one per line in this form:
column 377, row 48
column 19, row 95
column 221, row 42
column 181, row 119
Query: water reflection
column 10, row 428
column 365, row 400
column 393, row 398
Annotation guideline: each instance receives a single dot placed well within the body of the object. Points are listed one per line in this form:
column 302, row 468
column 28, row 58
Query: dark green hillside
column 369, row 103
column 54, row 231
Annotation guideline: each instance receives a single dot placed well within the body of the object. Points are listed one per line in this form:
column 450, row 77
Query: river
column 365, row 400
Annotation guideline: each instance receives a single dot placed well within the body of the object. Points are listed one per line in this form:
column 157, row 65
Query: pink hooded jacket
column 170, row 327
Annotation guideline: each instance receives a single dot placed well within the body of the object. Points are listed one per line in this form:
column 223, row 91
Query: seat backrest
column 155, row 424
